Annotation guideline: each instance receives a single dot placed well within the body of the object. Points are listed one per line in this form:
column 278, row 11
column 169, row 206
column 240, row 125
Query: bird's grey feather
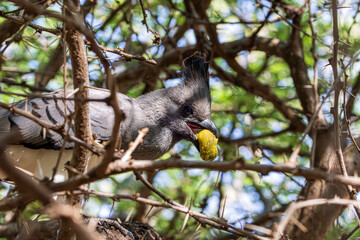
column 4, row 121
column 161, row 111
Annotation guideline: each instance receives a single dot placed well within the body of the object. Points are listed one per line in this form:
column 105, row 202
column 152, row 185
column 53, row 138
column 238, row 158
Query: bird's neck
column 154, row 105
column 151, row 110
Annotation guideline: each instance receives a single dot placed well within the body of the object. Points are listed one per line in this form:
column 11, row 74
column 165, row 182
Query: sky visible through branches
column 260, row 102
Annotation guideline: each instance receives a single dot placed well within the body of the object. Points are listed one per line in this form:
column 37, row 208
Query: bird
column 170, row 114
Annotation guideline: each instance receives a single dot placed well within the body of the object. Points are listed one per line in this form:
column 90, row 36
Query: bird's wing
column 4, row 121
column 54, row 111
column 41, row 149
column 49, row 110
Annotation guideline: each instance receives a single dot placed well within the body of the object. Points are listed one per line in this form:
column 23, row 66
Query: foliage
column 252, row 127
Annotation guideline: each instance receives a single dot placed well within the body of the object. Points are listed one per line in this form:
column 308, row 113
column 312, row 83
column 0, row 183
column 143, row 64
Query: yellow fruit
column 207, row 142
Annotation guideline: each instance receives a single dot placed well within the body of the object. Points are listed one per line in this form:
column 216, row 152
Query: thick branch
column 136, row 74
column 80, row 157
column 81, row 80
column 148, row 165
column 294, row 56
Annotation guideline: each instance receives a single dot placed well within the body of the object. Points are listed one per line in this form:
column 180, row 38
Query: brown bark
column 75, row 42
column 76, row 47
column 295, row 59
column 318, row 220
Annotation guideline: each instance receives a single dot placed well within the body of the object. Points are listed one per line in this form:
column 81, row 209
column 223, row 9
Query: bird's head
column 192, row 100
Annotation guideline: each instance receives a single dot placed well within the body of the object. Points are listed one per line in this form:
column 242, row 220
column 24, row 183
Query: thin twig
column 127, row 56
column 13, row 82
column 37, row 28
column 279, row 229
column 48, row 126
column 338, row 85
column 30, row 188
column 181, row 208
column 157, row 36
column 296, row 151
column 348, row 235
column 198, row 216
column 133, row 146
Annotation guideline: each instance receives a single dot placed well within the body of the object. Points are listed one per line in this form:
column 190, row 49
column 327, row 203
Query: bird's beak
column 209, row 125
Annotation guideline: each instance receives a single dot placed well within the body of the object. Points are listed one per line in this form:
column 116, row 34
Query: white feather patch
column 41, row 162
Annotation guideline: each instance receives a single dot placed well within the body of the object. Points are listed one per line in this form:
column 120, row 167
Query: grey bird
column 170, row 114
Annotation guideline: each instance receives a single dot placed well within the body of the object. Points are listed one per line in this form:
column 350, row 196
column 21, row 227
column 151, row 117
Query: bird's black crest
column 195, row 68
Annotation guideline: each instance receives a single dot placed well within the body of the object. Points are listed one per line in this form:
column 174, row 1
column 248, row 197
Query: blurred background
column 269, row 70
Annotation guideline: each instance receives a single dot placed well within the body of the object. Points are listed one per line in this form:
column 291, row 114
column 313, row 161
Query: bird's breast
column 41, row 162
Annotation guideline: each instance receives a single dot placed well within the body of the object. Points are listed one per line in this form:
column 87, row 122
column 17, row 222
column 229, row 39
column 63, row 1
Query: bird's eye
column 188, row 110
